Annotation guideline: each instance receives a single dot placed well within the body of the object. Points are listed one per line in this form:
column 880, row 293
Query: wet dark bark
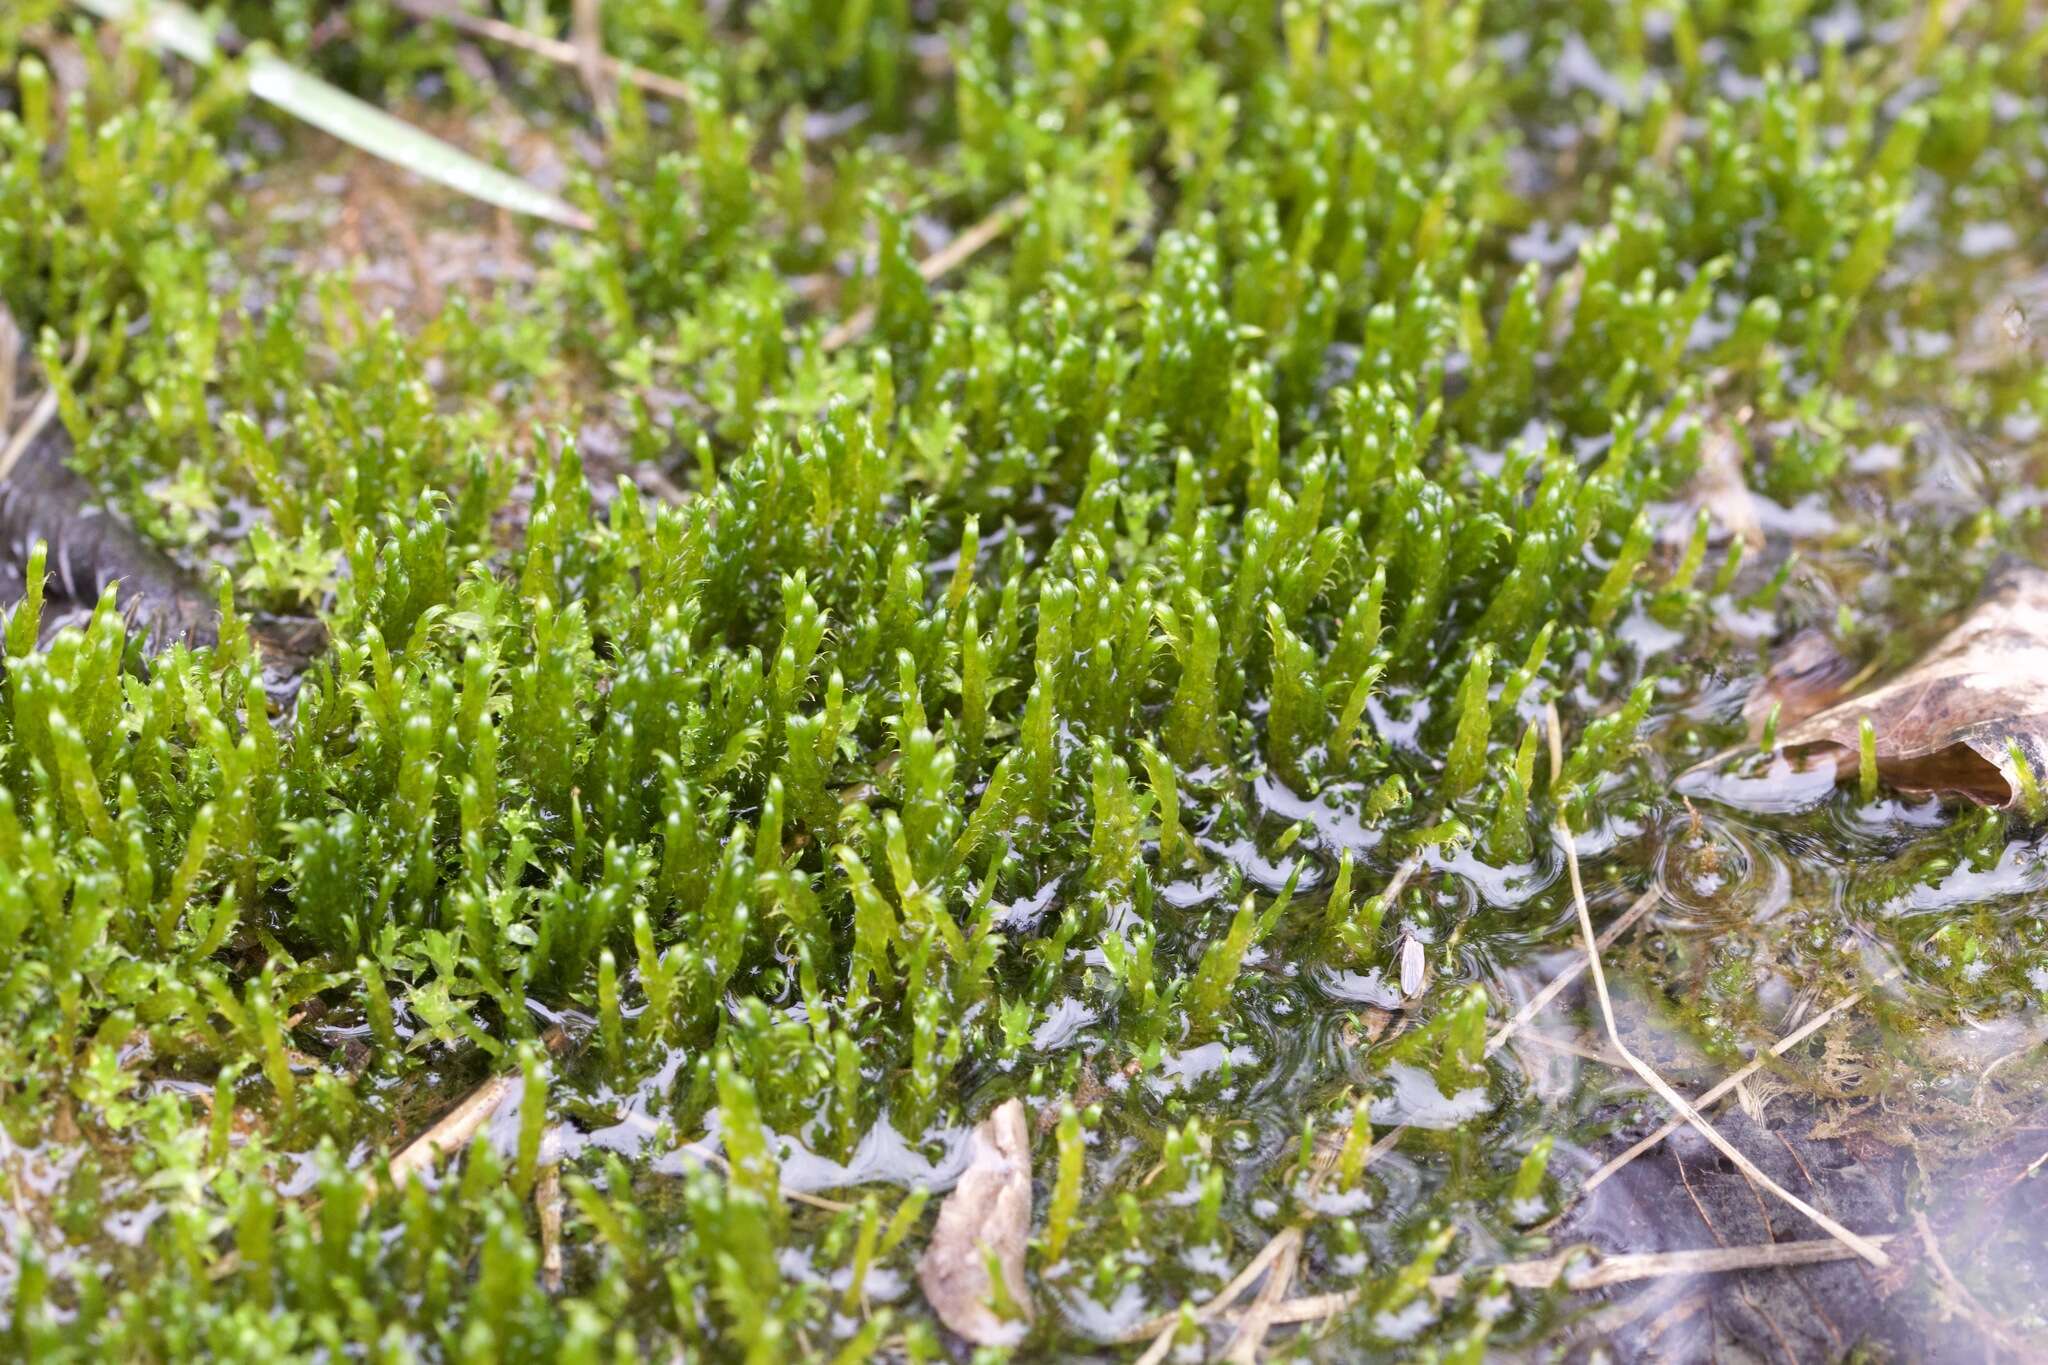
column 1684, row 1194
column 91, row 546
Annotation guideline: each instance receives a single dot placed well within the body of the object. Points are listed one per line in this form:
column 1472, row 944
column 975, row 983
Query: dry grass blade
column 1599, row 1272
column 935, row 267
column 341, row 115
column 1161, row 1329
column 586, row 33
column 1756, row 1064
column 371, row 129
column 39, row 416
column 1862, row 1246
column 1258, row 1319
column 551, row 49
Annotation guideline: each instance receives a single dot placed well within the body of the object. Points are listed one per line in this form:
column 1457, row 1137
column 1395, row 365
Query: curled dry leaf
column 987, row 1216
column 1949, row 723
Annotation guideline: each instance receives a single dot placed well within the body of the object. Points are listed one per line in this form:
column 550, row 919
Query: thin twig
column 552, row 49
column 1583, row 1268
column 1571, row 1047
column 935, row 267
column 1542, row 998
column 1863, row 1246
column 1756, row 1064
column 1402, row 875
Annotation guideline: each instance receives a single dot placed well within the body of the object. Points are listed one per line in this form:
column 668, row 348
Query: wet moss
column 1037, row 695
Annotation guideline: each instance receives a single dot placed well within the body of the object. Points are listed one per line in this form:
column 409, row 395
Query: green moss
column 1034, row 696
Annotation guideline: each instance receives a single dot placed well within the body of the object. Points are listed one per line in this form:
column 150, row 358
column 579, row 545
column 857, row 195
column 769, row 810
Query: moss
column 1032, row 696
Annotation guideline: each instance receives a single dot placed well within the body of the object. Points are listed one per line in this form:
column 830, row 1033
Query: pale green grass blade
column 178, row 30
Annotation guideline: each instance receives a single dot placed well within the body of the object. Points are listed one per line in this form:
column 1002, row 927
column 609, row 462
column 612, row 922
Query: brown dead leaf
column 1808, row 675
column 1946, row 724
column 988, row 1212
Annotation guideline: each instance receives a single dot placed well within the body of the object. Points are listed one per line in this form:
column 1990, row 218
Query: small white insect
column 1412, row 965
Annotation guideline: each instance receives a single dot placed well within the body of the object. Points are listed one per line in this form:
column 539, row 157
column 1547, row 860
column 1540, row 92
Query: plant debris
column 1807, row 675
column 1961, row 720
column 89, row 547
column 985, row 1221
column 177, row 29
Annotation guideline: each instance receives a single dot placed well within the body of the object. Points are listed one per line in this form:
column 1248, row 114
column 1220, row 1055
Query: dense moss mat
column 1032, row 697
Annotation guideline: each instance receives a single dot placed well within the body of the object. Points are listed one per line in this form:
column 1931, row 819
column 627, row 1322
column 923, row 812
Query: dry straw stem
column 38, row 417
column 586, row 32
column 1862, row 1246
column 936, row 266
column 552, row 49
column 1756, row 1064
column 460, row 1125
column 1583, row 1268
column 455, row 1130
column 1161, row 1329
column 547, row 1200
column 1256, row 1321
column 10, row 362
